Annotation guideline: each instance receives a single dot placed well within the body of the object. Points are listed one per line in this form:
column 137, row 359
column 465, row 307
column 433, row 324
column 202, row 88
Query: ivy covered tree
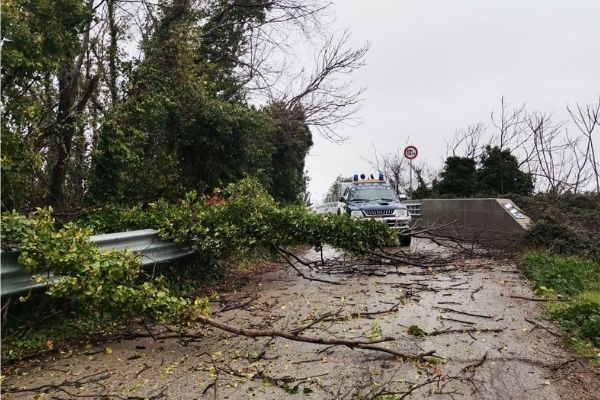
column 41, row 43
column 174, row 128
column 291, row 141
column 87, row 120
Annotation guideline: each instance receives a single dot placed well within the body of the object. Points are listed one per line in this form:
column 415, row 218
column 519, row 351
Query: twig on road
column 447, row 309
column 351, row 343
column 538, row 325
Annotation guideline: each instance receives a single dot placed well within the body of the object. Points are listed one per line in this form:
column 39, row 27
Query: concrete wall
column 485, row 220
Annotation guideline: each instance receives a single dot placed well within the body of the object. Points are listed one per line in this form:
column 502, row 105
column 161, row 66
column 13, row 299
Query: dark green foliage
column 565, row 224
column 173, row 134
column 178, row 119
column 499, row 174
column 226, row 142
column 38, row 36
column 138, row 150
column 564, row 274
column 291, row 141
column 458, row 177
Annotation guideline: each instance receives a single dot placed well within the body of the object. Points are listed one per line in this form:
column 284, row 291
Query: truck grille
column 379, row 213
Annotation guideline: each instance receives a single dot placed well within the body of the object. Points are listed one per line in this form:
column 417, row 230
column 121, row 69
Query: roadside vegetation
column 572, row 286
column 111, row 289
column 203, row 137
column 200, row 133
column 564, row 224
column 567, row 269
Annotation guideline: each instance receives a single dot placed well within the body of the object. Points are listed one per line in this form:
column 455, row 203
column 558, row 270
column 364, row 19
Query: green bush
column 567, row 275
column 560, row 237
column 581, row 315
column 565, row 224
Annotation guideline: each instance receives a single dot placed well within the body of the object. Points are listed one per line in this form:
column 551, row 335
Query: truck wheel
column 404, row 240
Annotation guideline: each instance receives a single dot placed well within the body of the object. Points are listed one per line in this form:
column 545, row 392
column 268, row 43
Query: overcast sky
column 435, row 66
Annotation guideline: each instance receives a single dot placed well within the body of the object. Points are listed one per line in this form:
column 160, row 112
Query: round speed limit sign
column 410, row 152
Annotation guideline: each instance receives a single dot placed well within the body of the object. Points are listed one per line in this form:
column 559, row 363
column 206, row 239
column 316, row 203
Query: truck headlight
column 401, row 213
column 356, row 214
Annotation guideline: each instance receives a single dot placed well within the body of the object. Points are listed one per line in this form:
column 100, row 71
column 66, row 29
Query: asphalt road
column 490, row 341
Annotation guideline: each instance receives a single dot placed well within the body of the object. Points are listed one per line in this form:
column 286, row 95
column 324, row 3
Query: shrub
column 566, row 224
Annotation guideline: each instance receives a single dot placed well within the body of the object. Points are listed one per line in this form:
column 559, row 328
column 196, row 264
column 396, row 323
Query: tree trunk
column 113, row 50
column 69, row 106
column 68, row 83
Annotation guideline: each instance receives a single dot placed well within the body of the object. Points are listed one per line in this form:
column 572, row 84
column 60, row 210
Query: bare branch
column 325, row 100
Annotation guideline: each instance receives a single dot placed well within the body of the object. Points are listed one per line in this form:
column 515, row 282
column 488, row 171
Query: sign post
column 411, row 153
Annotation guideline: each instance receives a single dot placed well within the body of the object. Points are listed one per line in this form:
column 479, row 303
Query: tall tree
column 458, row 177
column 174, row 127
column 82, row 117
column 499, row 174
column 43, row 41
column 291, row 140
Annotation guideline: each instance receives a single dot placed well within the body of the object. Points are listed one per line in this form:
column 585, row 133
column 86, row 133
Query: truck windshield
column 371, row 193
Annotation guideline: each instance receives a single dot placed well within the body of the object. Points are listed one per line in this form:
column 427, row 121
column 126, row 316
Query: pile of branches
column 442, row 252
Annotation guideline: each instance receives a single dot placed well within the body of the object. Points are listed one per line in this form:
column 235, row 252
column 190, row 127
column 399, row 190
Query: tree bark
column 65, row 129
column 113, row 50
column 69, row 105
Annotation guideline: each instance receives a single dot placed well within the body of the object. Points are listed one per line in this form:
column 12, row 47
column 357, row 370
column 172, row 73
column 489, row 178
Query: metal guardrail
column 414, row 207
column 146, row 243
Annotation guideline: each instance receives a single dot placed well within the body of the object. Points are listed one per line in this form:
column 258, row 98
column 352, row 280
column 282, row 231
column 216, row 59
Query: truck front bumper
column 394, row 222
